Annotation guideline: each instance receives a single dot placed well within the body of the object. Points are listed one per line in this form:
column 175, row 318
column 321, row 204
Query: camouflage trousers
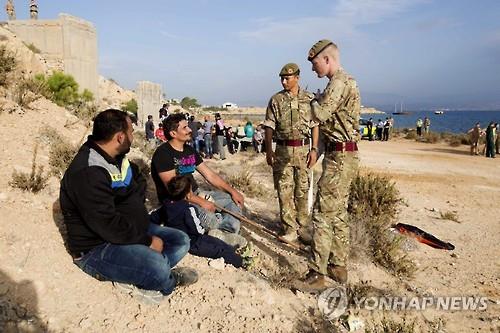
column 291, row 180
column 331, row 230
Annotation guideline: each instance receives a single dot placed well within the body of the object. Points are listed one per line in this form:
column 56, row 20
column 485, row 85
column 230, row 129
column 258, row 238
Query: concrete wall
column 68, row 43
column 149, row 101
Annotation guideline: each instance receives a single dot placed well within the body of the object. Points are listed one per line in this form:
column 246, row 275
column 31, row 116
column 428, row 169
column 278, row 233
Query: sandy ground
column 41, row 289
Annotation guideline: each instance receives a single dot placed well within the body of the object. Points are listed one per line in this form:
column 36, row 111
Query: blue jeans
column 137, row 264
column 208, row 145
column 221, row 221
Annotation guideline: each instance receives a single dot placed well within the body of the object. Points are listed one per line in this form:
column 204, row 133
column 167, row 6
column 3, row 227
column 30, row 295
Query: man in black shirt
column 109, row 232
column 150, row 129
column 175, row 157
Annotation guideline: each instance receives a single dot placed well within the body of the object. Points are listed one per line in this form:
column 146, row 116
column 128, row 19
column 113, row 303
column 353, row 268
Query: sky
column 423, row 53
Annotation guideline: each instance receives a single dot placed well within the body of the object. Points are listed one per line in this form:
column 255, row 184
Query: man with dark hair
column 109, row 232
column 163, row 113
column 150, row 129
column 175, row 157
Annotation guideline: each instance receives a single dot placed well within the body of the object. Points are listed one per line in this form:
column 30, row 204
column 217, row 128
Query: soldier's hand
column 270, row 157
column 156, row 244
column 237, row 198
column 312, row 157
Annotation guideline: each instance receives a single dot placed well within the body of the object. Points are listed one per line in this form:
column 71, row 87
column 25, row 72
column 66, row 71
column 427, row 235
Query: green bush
column 8, row 63
column 188, row 103
column 130, row 106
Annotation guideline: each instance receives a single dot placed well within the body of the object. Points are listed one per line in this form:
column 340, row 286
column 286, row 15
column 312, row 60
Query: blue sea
column 450, row 121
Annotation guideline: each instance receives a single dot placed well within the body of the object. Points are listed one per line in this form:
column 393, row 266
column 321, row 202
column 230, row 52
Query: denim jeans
column 208, row 145
column 221, row 221
column 137, row 264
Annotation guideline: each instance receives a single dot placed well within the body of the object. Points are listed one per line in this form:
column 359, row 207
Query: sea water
column 449, row 121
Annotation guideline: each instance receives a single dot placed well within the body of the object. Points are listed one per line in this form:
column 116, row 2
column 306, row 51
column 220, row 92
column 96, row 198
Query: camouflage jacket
column 290, row 117
column 338, row 108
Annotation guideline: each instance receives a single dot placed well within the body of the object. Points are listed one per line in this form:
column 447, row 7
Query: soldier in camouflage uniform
column 337, row 110
column 289, row 121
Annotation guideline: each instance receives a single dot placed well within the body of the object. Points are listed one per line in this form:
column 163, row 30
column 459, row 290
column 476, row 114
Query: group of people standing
column 112, row 237
column 382, row 131
column 425, row 124
column 492, row 139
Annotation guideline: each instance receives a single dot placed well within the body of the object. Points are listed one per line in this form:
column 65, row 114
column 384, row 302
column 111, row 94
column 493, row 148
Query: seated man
column 109, row 232
column 175, row 157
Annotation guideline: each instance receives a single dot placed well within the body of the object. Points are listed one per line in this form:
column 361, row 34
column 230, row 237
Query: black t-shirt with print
column 167, row 158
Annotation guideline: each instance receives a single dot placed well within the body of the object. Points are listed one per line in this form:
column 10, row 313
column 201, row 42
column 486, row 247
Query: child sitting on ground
column 182, row 215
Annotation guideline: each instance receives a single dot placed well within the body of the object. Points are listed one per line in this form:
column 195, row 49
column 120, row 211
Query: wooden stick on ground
column 298, row 247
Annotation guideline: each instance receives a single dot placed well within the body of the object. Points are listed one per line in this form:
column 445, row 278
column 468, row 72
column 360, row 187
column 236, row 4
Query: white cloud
column 342, row 21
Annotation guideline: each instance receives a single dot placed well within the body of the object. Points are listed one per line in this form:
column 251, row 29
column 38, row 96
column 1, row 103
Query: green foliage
column 213, row 108
column 373, row 204
column 32, row 47
column 188, row 103
column 87, row 96
column 8, row 63
column 130, row 106
column 33, row 182
column 63, row 88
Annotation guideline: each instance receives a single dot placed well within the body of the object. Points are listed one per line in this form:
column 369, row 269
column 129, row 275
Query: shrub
column 130, row 106
column 33, row 182
column 29, row 90
column 372, row 209
column 411, row 135
column 32, row 47
column 188, row 103
column 431, row 137
column 387, row 325
column 244, row 181
column 8, row 63
column 60, row 156
column 63, row 88
column 449, row 215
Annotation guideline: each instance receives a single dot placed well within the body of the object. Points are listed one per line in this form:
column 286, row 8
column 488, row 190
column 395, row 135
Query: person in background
column 369, row 127
column 163, row 113
column 490, row 140
column 159, row 135
column 475, row 133
column 380, row 129
column 419, row 125
column 149, row 128
column 427, row 125
column 207, row 137
column 220, row 132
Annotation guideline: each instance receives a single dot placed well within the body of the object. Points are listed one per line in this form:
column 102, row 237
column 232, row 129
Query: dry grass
column 33, row 182
column 244, row 182
column 373, row 208
column 61, row 151
column 8, row 63
column 387, row 325
column 28, row 90
column 449, row 215
column 431, row 137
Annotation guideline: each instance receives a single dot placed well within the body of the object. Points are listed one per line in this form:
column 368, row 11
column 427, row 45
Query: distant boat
column 439, row 112
column 400, row 112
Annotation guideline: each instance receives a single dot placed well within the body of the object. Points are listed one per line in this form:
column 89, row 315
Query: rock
column 85, row 323
column 218, row 264
column 354, row 323
column 454, row 255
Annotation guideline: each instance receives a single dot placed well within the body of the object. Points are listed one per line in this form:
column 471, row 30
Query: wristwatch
column 314, row 148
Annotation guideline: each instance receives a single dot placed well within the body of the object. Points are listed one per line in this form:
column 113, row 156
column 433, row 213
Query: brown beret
column 318, row 48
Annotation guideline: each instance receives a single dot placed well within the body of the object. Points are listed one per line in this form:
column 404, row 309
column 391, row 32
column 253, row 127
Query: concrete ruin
column 149, row 101
column 68, row 44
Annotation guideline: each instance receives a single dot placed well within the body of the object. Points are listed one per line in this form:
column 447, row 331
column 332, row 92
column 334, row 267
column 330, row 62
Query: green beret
column 318, row 48
column 290, row 69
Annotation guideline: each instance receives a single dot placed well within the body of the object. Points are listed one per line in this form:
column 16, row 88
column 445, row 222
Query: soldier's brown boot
column 338, row 273
column 314, row 282
column 290, row 236
column 305, row 235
